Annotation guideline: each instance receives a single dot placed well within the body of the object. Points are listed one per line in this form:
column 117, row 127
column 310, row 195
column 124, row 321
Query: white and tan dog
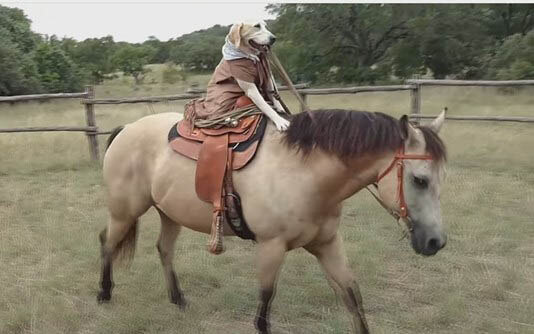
column 237, row 73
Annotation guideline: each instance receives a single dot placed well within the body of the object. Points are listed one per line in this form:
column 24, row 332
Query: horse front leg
column 270, row 258
column 333, row 260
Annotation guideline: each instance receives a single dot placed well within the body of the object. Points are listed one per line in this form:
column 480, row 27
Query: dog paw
column 282, row 125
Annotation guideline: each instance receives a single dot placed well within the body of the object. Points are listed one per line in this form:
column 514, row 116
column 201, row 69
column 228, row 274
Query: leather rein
column 398, row 161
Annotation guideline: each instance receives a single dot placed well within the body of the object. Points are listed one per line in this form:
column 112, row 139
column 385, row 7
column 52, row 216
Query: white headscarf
column 231, row 52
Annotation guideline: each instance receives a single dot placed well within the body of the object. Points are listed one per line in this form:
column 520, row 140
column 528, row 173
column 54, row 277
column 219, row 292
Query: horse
column 292, row 193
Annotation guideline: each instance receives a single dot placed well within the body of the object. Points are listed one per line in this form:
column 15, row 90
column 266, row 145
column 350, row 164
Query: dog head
column 251, row 37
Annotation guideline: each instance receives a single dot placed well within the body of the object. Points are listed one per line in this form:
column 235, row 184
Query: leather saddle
column 218, row 152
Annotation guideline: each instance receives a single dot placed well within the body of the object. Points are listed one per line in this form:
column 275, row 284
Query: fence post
column 304, row 98
column 91, row 121
column 415, row 94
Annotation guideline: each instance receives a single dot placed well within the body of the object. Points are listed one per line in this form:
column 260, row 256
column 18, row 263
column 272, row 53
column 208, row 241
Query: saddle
column 218, row 152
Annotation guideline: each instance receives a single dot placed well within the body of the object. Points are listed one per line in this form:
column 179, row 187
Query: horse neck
column 334, row 180
column 360, row 172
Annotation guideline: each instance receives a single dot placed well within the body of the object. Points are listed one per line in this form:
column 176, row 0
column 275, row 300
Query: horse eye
column 257, row 26
column 420, row 182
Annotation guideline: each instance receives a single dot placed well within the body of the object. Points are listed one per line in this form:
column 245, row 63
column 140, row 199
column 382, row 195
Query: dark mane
column 350, row 133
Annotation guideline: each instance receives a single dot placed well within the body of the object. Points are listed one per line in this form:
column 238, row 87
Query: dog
column 241, row 72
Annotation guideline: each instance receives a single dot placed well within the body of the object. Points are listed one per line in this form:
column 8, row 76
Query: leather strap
column 399, row 163
column 214, row 149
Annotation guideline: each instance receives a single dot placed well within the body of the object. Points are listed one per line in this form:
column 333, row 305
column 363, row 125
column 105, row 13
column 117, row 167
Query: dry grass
column 51, row 210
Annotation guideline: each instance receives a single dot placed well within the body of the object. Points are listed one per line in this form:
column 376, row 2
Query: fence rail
column 148, row 99
column 478, row 118
column 488, row 83
column 92, row 129
column 280, row 88
column 414, row 86
column 41, row 97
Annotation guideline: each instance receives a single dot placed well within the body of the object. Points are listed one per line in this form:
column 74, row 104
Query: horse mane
column 351, row 133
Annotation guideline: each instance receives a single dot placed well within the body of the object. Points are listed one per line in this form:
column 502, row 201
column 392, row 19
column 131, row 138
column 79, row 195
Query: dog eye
column 257, row 26
column 420, row 182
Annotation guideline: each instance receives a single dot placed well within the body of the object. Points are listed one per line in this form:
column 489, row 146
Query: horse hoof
column 103, row 297
column 180, row 302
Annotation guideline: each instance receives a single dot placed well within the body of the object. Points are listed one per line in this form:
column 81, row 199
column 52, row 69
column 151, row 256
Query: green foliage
column 131, row 60
column 94, row 55
column 56, row 71
column 514, row 59
column 503, row 20
column 352, row 38
column 320, row 43
column 445, row 39
column 16, row 27
column 162, row 50
column 172, row 75
column 367, row 43
column 18, row 73
column 200, row 50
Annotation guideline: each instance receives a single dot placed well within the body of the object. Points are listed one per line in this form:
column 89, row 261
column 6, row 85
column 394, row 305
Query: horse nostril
column 434, row 244
column 272, row 39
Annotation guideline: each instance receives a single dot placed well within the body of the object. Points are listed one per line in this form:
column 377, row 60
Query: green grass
column 52, row 208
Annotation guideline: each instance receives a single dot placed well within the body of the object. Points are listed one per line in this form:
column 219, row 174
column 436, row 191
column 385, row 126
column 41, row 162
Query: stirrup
column 215, row 245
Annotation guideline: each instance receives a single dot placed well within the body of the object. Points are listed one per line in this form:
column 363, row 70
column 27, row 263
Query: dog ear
column 234, row 36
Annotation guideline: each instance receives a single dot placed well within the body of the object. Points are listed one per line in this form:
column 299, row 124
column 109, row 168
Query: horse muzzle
column 427, row 243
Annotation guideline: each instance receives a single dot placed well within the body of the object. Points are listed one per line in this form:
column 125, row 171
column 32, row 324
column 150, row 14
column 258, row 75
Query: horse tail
column 114, row 134
column 125, row 249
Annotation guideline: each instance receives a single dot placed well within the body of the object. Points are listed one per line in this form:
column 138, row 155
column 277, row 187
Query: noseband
column 398, row 161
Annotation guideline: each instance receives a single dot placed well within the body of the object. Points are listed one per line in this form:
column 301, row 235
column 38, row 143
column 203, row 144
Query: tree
column 56, row 71
column 131, row 60
column 16, row 26
column 162, row 50
column 446, row 39
column 345, row 42
column 94, row 55
column 18, row 73
column 503, row 20
column 200, row 50
column 514, row 59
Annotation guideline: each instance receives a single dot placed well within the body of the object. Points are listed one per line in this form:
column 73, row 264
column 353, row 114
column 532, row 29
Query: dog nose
column 272, row 39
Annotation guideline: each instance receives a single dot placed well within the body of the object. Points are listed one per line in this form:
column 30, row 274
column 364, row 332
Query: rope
column 229, row 119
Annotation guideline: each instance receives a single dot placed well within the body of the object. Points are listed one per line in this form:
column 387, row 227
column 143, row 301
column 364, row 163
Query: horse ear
column 404, row 124
column 436, row 124
column 408, row 132
column 234, row 36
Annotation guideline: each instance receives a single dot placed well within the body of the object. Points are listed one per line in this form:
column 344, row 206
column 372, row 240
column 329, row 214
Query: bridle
column 398, row 161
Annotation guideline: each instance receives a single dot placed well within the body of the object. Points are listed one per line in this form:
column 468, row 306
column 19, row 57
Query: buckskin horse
column 292, row 193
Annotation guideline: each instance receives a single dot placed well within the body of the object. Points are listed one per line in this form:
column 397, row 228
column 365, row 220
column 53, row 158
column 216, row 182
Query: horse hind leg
column 117, row 241
column 167, row 239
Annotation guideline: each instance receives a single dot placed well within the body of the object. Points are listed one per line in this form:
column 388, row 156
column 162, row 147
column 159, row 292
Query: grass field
column 52, row 208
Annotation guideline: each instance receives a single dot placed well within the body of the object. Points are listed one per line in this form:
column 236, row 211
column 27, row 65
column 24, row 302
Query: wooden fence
column 414, row 86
